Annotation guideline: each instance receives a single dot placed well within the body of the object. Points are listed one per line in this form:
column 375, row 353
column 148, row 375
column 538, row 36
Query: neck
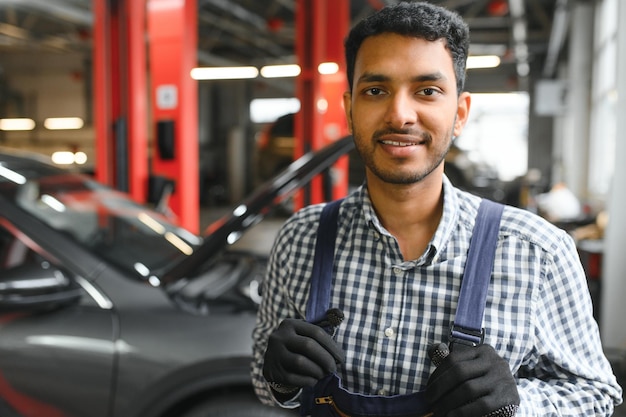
column 411, row 213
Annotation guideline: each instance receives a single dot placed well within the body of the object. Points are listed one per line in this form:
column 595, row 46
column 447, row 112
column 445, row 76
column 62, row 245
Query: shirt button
column 389, row 332
column 382, row 391
column 397, row 270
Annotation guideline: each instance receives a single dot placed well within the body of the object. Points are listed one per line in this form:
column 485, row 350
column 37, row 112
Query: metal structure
column 121, row 39
column 253, row 32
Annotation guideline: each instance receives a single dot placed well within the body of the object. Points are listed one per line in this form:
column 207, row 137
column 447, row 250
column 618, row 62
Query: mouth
column 397, row 143
column 401, row 141
column 402, row 144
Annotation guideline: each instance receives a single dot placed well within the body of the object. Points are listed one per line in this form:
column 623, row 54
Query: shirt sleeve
column 567, row 374
column 275, row 306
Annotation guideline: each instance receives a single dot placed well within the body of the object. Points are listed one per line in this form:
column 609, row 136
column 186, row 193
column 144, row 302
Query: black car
column 108, row 309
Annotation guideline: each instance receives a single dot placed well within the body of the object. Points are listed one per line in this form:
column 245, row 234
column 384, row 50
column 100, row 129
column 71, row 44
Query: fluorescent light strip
column 293, row 70
column 280, row 71
column 268, row 71
column 69, row 158
column 63, row 123
column 17, row 124
column 224, row 73
column 483, row 61
column 328, row 68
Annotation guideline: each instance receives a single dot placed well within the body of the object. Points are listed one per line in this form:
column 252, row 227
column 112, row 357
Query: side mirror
column 36, row 286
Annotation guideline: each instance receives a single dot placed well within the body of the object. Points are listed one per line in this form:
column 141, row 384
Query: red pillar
column 321, row 28
column 172, row 27
column 137, row 98
column 120, row 95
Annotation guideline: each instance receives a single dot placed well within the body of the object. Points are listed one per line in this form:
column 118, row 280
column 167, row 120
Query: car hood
column 227, row 230
column 59, row 210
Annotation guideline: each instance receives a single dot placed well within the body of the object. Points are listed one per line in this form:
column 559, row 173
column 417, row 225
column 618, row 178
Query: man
column 401, row 247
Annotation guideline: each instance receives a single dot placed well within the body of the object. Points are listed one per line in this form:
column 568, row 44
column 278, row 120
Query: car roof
column 29, row 164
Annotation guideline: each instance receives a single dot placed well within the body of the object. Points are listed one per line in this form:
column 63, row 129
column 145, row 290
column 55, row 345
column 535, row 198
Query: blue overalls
column 328, row 397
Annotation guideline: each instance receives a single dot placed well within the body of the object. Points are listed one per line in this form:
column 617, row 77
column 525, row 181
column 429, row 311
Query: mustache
column 425, row 136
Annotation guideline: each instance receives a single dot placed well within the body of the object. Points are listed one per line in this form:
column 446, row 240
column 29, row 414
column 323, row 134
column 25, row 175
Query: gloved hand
column 472, row 381
column 299, row 354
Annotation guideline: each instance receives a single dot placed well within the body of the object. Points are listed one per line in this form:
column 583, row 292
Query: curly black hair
column 415, row 19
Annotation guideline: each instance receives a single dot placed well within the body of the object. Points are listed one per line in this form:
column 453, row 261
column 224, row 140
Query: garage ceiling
column 259, row 32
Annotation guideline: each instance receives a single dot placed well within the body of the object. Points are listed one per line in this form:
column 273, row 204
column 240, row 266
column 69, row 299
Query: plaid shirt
column 538, row 314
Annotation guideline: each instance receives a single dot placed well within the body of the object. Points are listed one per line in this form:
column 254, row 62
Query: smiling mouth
column 395, row 143
column 402, row 139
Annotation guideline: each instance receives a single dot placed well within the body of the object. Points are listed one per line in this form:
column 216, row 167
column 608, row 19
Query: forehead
column 393, row 53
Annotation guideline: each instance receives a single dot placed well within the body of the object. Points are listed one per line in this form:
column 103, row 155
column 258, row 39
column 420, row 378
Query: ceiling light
column 279, row 71
column 21, row 123
column 63, row 123
column 293, row 70
column 80, row 158
column 266, row 110
column 483, row 61
column 328, row 68
column 224, row 73
column 69, row 158
column 63, row 158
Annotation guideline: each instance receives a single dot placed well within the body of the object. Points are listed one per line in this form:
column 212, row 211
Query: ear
column 462, row 112
column 347, row 107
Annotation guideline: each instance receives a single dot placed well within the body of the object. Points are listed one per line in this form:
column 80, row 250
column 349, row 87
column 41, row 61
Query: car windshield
column 103, row 220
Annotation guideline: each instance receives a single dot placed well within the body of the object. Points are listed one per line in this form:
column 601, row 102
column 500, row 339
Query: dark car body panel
column 83, row 334
column 78, row 371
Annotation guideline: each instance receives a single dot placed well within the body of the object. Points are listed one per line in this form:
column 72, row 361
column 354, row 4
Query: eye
column 373, row 91
column 429, row 91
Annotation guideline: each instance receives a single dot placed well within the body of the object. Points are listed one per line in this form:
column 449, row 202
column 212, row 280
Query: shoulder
column 302, row 225
column 294, row 246
column 306, row 220
column 518, row 224
column 531, row 228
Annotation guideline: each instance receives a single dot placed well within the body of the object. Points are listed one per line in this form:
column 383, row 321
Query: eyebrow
column 369, row 77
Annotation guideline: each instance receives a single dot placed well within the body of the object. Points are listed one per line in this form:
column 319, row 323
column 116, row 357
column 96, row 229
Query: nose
column 401, row 111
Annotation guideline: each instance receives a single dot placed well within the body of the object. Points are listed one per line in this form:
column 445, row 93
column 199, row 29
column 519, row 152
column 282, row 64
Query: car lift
column 321, row 26
column 120, row 97
column 121, row 107
column 124, row 152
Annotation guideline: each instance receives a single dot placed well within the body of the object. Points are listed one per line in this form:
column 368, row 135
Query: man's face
column 404, row 109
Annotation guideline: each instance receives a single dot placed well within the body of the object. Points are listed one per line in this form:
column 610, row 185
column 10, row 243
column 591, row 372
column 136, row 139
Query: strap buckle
column 465, row 336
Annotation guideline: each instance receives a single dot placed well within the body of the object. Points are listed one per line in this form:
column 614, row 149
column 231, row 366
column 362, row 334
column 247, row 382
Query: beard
column 404, row 173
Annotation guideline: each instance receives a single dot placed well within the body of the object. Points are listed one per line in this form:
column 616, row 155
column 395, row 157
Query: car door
column 56, row 335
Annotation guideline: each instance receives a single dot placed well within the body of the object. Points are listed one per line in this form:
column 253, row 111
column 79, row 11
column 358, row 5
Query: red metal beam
column 172, row 28
column 120, row 95
column 137, row 98
column 321, row 27
column 103, row 92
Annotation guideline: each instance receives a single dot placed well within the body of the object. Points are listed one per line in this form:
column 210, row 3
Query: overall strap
column 322, row 275
column 467, row 326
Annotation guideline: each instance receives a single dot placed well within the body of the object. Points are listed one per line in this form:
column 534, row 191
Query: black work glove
column 299, row 354
column 472, row 382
